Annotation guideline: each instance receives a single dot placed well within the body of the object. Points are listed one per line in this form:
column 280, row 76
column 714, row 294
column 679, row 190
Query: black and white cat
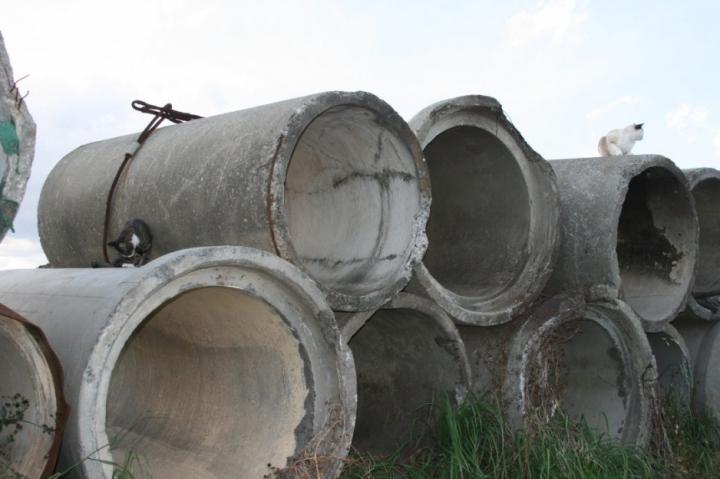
column 620, row 142
column 134, row 243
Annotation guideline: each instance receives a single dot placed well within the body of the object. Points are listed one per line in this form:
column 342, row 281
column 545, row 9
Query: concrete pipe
column 31, row 397
column 629, row 231
column 207, row 363
column 705, row 187
column 335, row 183
column 706, row 396
column 407, row 355
column 493, row 225
column 674, row 364
column 590, row 361
column 17, row 143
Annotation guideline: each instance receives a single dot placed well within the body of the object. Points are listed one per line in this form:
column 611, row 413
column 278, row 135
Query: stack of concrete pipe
column 304, row 298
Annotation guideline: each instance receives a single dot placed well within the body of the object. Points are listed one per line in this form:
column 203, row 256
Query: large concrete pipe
column 207, row 363
column 592, row 361
column 31, row 397
column 335, row 183
column 674, row 364
column 493, row 225
column 629, row 231
column 704, row 345
column 407, row 355
column 17, row 143
column 705, row 187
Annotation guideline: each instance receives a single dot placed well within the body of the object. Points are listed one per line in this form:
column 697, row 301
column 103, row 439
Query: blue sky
column 566, row 71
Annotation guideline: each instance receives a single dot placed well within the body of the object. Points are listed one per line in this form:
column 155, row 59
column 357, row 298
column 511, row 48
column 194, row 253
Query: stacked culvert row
column 549, row 284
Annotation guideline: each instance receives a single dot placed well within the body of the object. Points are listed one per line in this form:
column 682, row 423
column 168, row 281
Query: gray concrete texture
column 335, row 183
column 17, row 143
column 493, row 224
column 30, row 372
column 703, row 340
column 407, row 356
column 209, row 362
column 592, row 361
column 628, row 230
column 674, row 365
column 705, row 187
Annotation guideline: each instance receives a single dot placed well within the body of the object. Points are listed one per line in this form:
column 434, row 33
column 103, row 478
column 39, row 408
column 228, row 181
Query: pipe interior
column 351, row 199
column 672, row 365
column 707, row 204
column 655, row 230
column 404, row 361
column 211, row 385
column 580, row 372
column 480, row 216
column 24, row 372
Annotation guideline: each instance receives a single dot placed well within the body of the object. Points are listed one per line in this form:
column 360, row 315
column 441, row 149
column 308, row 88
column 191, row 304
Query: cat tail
column 603, row 147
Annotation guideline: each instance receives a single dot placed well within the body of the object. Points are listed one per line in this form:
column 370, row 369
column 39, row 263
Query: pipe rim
column 41, row 356
column 635, row 170
column 697, row 177
column 622, row 327
column 352, row 323
column 175, row 276
column 675, row 339
column 486, row 114
column 279, row 221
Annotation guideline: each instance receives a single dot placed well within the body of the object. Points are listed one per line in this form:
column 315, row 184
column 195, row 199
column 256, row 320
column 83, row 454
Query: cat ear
column 638, row 126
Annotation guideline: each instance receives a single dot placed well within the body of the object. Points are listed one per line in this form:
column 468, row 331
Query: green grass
column 475, row 441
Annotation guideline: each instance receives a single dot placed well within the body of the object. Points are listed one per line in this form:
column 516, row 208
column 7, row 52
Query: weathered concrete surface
column 703, row 339
column 335, row 183
column 17, row 144
column 705, row 187
column 674, row 364
column 407, row 355
column 29, row 368
column 208, row 362
column 590, row 360
column 493, row 227
column 629, row 231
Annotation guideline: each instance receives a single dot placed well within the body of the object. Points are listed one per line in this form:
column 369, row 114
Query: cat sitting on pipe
column 620, row 142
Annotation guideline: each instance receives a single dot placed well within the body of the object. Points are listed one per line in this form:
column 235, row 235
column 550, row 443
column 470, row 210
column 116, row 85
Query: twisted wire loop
column 160, row 114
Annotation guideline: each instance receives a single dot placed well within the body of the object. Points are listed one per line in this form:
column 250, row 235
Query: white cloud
column 19, row 253
column 716, row 142
column 553, row 19
column 684, row 116
column 608, row 107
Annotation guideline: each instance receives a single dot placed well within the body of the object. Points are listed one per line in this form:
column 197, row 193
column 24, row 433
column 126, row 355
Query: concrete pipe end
column 707, row 377
column 705, row 187
column 350, row 198
column 218, row 362
column 408, row 354
column 592, row 362
column 495, row 201
column 31, row 391
column 674, row 365
column 656, row 238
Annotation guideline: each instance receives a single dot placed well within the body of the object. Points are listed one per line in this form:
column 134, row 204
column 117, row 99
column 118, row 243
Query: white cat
column 621, row 142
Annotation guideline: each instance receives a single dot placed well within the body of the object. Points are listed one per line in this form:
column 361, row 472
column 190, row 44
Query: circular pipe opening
column 673, row 365
column 27, row 393
column 579, row 371
column 404, row 360
column 654, row 250
column 707, row 204
column 480, row 217
column 212, row 384
column 352, row 201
